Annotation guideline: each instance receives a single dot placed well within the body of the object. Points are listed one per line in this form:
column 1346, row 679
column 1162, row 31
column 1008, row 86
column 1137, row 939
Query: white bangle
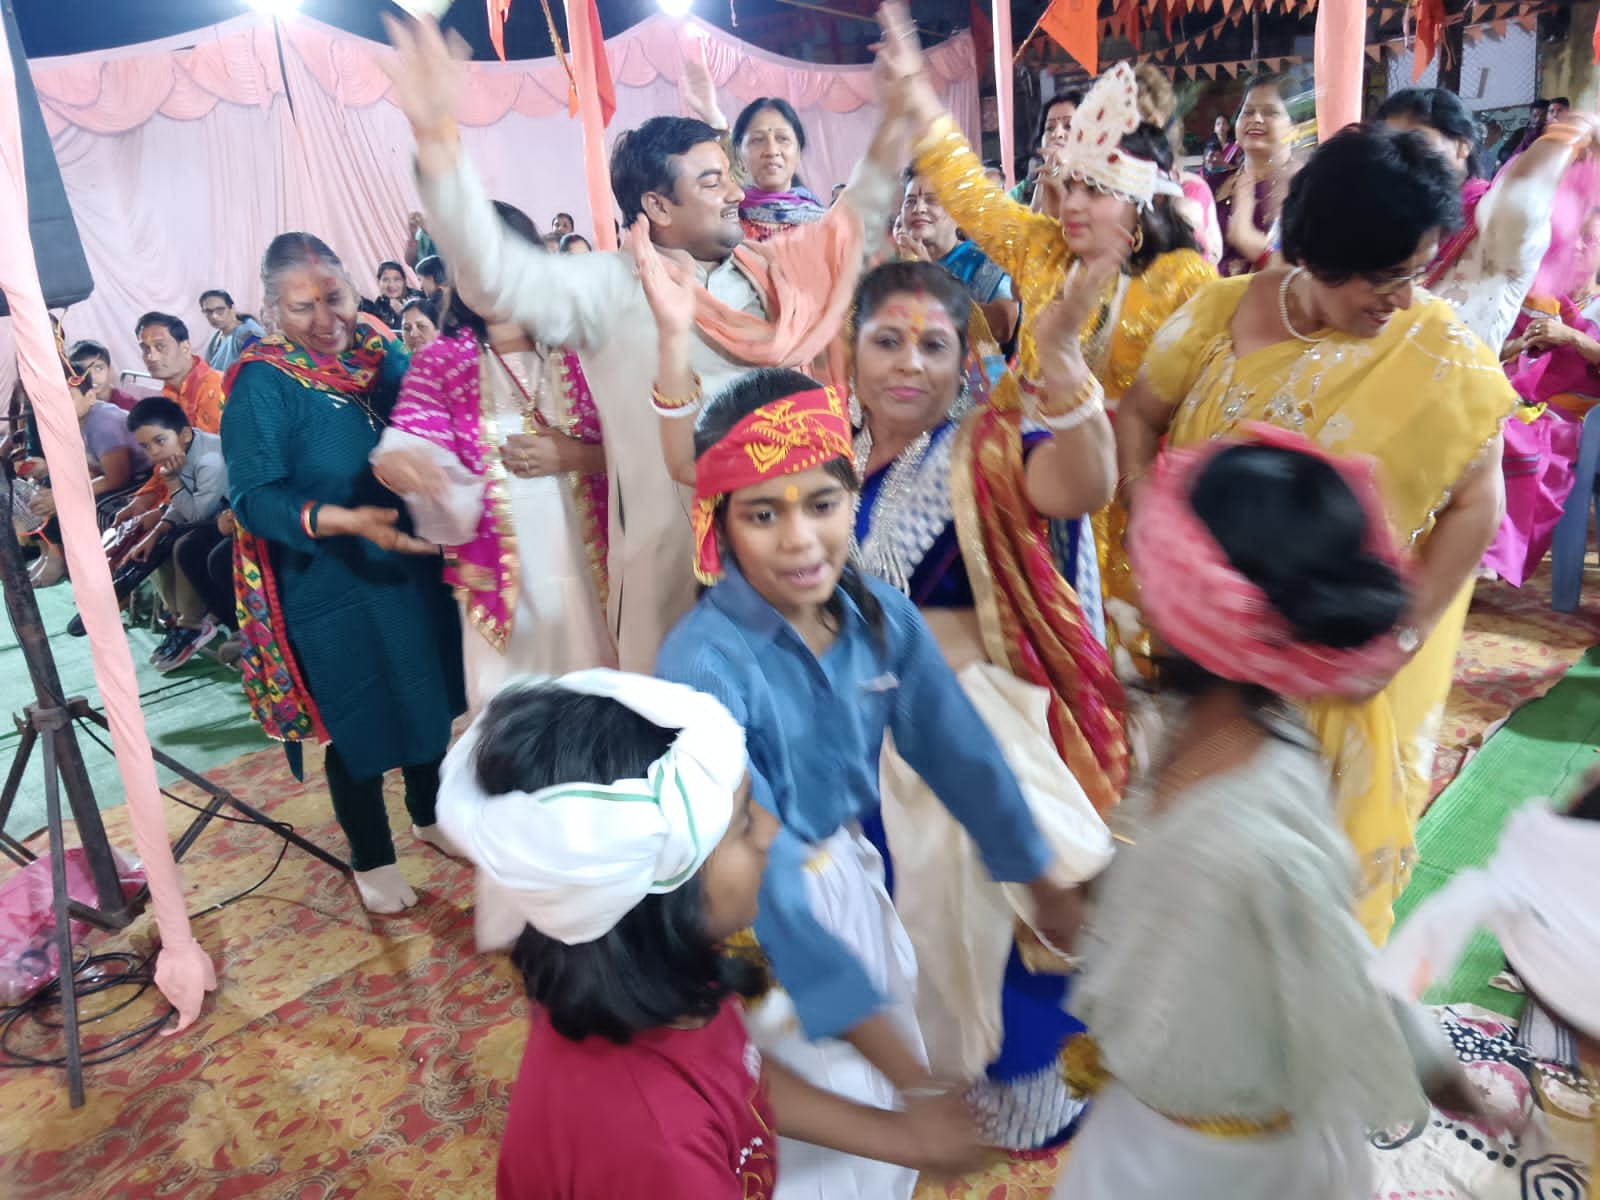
column 1069, row 421
column 677, row 411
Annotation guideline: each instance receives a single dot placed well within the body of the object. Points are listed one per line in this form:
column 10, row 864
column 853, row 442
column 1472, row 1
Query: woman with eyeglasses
column 1342, row 345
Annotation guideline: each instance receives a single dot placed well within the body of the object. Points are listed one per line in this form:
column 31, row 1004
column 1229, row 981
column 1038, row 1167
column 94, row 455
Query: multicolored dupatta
column 448, row 401
column 279, row 698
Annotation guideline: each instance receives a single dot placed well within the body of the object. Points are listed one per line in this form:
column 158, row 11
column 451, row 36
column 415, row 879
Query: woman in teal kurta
column 367, row 622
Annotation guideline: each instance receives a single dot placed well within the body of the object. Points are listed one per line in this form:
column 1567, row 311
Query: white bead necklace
column 1283, row 307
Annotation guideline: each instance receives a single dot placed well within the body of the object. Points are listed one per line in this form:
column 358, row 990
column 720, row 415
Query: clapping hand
column 1058, row 327
column 668, row 280
column 535, row 455
column 377, row 525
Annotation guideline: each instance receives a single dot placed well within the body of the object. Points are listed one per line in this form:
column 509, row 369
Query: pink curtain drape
column 1340, row 56
column 182, row 159
column 184, row 972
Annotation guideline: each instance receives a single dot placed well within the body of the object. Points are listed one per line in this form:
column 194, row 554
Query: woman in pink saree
column 1553, row 362
column 495, row 445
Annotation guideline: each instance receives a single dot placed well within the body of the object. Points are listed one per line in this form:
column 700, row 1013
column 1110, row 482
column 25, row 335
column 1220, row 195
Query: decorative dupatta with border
column 280, row 700
column 448, row 400
column 1029, row 616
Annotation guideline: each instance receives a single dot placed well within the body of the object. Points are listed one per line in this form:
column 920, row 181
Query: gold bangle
column 670, row 405
column 1090, row 391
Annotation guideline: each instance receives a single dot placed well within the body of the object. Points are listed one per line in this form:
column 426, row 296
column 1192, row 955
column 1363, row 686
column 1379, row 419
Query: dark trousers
column 206, row 559
column 358, row 803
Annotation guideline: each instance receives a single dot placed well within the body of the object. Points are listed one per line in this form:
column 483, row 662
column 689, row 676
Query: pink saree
column 1541, row 446
column 443, row 401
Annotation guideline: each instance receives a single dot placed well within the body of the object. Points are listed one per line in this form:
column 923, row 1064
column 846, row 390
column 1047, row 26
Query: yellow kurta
column 1423, row 398
column 1032, row 249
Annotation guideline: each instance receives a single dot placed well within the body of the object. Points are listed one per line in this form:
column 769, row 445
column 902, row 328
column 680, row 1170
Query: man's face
column 164, row 356
column 1556, row 112
column 702, row 214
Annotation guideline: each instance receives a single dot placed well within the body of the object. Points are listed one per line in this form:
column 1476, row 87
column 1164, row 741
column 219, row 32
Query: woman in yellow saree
column 1346, row 348
column 1113, row 176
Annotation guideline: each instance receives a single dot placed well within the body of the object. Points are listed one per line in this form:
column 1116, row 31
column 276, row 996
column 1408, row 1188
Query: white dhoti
column 845, row 881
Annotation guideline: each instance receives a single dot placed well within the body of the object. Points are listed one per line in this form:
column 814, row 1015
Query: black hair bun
column 1349, row 605
column 1290, row 524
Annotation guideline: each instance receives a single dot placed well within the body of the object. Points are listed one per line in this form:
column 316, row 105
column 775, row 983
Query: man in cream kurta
column 593, row 303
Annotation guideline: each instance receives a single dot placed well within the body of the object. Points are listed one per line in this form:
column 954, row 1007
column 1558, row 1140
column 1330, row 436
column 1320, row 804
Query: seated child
column 187, row 530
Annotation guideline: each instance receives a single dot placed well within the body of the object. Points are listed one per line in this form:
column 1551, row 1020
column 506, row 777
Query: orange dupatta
column 807, row 279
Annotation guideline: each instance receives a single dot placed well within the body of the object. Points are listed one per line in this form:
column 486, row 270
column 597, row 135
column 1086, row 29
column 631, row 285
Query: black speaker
column 63, row 270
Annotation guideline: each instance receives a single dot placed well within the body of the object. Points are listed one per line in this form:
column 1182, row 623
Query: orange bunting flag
column 1430, row 29
column 1075, row 27
column 591, row 67
column 1597, row 41
column 499, row 10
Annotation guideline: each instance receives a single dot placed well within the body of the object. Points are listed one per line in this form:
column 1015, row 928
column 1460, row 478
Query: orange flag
column 499, row 10
column 1430, row 29
column 591, row 68
column 1075, row 27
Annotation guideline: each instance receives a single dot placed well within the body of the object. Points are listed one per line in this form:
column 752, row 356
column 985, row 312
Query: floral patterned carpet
column 351, row 1056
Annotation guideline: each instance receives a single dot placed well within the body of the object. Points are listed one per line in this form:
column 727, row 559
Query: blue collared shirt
column 814, row 728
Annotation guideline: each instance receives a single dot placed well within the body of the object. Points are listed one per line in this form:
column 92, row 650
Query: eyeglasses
column 1388, row 283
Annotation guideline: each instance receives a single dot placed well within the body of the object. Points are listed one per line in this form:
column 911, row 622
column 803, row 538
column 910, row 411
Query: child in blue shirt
column 818, row 662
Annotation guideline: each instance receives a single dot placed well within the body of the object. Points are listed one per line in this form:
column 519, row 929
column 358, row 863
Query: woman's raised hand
column 1083, row 291
column 696, row 89
column 429, row 73
column 668, row 280
column 898, row 70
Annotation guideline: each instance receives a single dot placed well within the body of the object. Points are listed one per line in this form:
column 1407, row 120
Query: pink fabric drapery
column 181, row 158
column 184, row 972
column 1340, row 55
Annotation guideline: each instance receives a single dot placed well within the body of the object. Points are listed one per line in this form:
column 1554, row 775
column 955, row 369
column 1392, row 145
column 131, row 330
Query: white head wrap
column 1094, row 150
column 1540, row 895
column 572, row 860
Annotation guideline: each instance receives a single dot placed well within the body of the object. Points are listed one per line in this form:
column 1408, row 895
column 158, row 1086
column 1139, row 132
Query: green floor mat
column 1544, row 750
column 197, row 714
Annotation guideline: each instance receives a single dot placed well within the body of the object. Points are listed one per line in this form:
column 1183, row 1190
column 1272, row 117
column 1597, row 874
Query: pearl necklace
column 1283, row 307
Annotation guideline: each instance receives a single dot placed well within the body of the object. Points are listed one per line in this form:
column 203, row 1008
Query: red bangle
column 308, row 518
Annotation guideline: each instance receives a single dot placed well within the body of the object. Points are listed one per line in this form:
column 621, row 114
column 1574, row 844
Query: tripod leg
column 8, row 794
column 58, row 882
column 219, row 797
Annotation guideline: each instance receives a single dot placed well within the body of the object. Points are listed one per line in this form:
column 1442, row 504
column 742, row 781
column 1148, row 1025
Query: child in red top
column 610, row 819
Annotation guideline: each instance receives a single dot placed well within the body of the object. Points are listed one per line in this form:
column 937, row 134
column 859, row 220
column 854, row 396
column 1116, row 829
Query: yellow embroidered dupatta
column 1423, row 398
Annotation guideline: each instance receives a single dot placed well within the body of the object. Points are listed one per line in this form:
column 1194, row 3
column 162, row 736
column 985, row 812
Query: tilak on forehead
column 919, row 310
column 808, row 429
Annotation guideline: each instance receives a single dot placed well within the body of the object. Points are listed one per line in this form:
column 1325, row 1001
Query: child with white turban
column 610, row 819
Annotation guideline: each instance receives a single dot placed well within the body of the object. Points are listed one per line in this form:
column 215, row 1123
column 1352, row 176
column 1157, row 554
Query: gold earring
column 1138, row 238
